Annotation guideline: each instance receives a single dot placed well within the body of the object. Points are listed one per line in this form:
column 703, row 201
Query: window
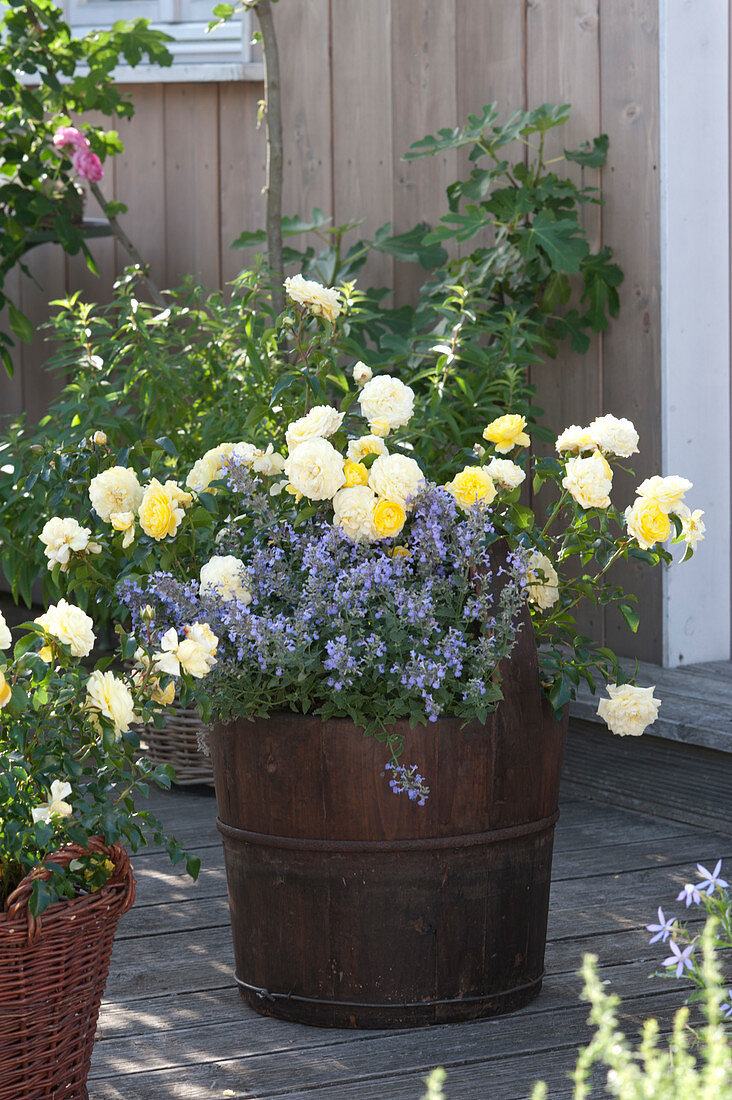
column 225, row 54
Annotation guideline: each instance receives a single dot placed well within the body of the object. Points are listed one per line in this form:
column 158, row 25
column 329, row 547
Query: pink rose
column 69, row 135
column 88, row 165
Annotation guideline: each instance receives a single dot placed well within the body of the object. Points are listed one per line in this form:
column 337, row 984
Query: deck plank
column 173, row 1027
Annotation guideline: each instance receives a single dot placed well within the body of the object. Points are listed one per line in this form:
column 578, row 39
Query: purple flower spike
column 689, row 894
column 711, row 878
column 680, row 959
column 663, row 929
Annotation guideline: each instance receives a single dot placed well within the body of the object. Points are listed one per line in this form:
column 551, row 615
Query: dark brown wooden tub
column 354, row 907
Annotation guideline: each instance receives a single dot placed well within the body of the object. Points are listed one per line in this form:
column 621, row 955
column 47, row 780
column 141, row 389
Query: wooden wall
column 361, row 82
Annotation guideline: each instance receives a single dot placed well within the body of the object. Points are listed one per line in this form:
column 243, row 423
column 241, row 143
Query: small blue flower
column 711, row 878
column 689, row 894
column 727, row 1007
column 680, row 959
column 663, row 929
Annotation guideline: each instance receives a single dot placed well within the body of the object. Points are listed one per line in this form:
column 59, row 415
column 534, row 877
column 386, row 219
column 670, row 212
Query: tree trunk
column 273, row 186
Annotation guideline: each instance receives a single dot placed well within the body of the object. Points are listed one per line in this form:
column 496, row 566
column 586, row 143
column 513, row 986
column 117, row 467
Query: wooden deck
column 173, row 1025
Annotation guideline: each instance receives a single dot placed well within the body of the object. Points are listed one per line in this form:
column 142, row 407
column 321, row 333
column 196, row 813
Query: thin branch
column 273, row 115
column 128, row 246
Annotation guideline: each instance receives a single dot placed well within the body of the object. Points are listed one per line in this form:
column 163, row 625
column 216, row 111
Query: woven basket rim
column 117, row 894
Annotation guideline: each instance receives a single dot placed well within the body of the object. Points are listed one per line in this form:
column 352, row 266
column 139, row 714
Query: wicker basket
column 53, row 970
column 179, row 742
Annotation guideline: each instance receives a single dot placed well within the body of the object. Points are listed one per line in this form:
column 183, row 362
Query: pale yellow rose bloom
column 353, row 511
column 321, row 301
column 575, row 440
column 355, row 473
column 589, row 481
column 63, row 537
column 70, row 625
column 366, row 445
column 507, row 432
column 322, row 421
column 542, row 581
column 111, row 697
column 692, row 525
column 505, row 473
column 629, row 710
column 668, row 492
column 194, row 659
column 315, row 469
column 56, row 806
column 473, row 485
column 6, row 638
column 614, row 435
column 386, row 401
column 124, row 521
column 389, row 518
column 396, row 477
column 647, row 523
column 160, row 512
column 115, row 490
column 5, row 691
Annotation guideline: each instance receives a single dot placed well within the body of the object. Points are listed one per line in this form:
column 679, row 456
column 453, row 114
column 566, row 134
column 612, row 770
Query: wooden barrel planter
column 354, row 907
column 53, row 970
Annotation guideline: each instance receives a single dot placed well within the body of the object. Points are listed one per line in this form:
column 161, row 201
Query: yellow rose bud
column 100, row 438
column 472, row 485
column 647, row 522
column 400, row 552
column 289, row 488
column 388, row 518
column 507, row 432
column 160, row 513
column 46, row 654
column 5, row 692
column 164, row 696
column 356, row 473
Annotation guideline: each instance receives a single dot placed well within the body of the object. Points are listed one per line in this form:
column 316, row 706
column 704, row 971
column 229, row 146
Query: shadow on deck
column 174, row 1028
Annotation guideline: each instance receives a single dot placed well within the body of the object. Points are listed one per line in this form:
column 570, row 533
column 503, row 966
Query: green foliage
column 163, row 386
column 46, row 77
column 49, row 734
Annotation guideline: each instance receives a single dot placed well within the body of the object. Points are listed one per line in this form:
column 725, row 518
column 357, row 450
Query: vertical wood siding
column 361, row 82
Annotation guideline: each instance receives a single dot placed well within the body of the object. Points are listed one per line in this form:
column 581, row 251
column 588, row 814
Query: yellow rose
column 110, row 696
column 124, row 521
column 473, row 485
column 507, row 432
column 356, row 473
column 5, row 692
column 400, row 552
column 647, row 522
column 380, row 427
column 366, row 445
column 115, row 490
column 70, row 625
column 160, row 513
column 629, row 710
column 321, row 301
column 542, row 582
column 668, row 492
column 388, row 518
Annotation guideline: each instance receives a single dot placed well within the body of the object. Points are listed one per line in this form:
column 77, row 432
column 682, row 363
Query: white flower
column 115, row 490
column 629, row 710
column 668, row 492
column 506, row 473
column 361, row 373
column 111, row 697
column 315, row 469
column 396, row 477
column 269, row 463
column 321, row 422
column 100, row 438
column 575, row 439
column 6, row 638
column 225, row 576
column 353, row 511
column 589, row 481
column 541, row 581
column 613, row 435
column 55, row 805
column 64, row 537
column 166, row 660
column 322, row 301
column 366, row 445
column 387, row 399
column 692, row 525
column 70, row 625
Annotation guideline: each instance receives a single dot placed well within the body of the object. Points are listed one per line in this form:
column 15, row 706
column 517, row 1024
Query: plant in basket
column 352, row 594
column 71, row 779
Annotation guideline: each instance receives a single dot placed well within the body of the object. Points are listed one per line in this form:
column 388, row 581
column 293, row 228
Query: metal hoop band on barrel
column 494, row 836
column 265, row 995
